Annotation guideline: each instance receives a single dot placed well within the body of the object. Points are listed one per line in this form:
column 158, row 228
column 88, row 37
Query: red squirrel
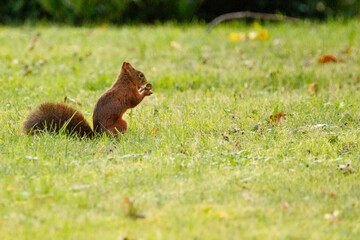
column 125, row 93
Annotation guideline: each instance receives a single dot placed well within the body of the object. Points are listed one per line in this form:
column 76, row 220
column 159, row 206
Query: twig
column 239, row 15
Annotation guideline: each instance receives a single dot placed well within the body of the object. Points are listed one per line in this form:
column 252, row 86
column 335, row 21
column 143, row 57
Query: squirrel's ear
column 125, row 68
column 125, row 65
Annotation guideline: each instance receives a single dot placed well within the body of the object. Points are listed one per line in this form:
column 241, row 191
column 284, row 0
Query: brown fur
column 108, row 111
column 124, row 94
column 52, row 117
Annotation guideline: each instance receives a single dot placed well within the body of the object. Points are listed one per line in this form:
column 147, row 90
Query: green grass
column 205, row 173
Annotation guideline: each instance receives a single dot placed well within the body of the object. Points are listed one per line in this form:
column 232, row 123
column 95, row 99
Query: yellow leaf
column 263, row 35
column 223, row 214
column 233, row 37
column 155, row 130
column 176, row 45
column 312, row 88
column 11, row 188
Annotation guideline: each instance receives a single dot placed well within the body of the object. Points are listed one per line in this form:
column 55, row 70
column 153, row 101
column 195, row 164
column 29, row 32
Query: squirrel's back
column 53, row 117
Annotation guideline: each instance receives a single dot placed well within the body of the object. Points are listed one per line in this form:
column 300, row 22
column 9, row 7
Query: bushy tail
column 56, row 117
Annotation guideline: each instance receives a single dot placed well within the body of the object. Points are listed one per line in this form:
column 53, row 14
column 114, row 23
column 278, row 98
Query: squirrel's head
column 134, row 75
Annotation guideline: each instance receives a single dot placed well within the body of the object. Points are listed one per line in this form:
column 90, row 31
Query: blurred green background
column 79, row 12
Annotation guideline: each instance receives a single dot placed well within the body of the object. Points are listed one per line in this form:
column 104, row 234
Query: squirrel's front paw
column 147, row 92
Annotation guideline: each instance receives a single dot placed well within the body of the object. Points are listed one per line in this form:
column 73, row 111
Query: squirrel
column 127, row 92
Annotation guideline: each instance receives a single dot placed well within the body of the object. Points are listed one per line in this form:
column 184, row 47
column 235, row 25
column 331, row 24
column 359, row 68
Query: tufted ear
column 126, row 67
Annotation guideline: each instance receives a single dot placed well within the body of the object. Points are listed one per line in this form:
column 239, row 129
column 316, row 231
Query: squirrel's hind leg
column 120, row 127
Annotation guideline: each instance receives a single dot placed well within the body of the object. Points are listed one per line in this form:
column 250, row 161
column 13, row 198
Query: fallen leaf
column 327, row 58
column 347, row 168
column 80, row 187
column 234, row 37
column 247, row 197
column 130, row 209
column 155, row 130
column 321, row 125
column 182, row 166
column 127, row 203
column 33, row 42
column 225, row 137
column 333, row 195
column 237, row 144
column 285, row 205
column 277, row 117
column 175, row 45
column 11, row 188
column 101, row 145
column 223, row 214
column 347, row 50
column 332, row 216
column 312, row 88
column 71, row 100
column 262, row 35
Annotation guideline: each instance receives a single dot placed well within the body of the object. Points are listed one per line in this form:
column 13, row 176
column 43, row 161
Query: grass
column 191, row 163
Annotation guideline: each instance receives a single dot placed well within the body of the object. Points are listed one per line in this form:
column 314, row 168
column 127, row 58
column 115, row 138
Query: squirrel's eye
column 141, row 75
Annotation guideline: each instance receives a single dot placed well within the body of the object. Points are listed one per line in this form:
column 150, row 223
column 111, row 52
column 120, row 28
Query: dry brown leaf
column 127, row 203
column 333, row 195
column 182, row 166
column 327, row 58
column 225, row 137
column 347, row 50
column 130, row 209
column 285, row 205
column 101, row 145
column 237, row 144
column 277, row 117
column 33, row 42
column 71, row 100
column 312, row 88
column 332, row 216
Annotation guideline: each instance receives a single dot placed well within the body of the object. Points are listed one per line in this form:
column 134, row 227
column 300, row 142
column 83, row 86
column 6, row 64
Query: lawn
column 201, row 159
